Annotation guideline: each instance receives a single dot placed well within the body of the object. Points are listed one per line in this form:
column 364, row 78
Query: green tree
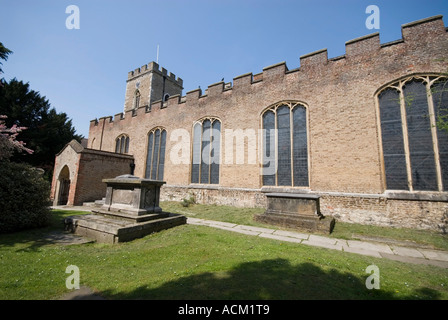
column 4, row 53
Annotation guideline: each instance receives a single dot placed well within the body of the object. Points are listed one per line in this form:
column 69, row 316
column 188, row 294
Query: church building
column 360, row 130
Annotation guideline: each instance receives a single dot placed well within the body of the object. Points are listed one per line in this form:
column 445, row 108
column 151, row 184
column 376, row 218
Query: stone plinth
column 296, row 211
column 131, row 210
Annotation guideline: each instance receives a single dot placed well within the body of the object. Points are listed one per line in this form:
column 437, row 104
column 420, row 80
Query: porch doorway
column 64, row 186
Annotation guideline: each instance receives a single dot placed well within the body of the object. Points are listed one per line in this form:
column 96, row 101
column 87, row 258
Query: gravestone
column 296, row 211
column 131, row 210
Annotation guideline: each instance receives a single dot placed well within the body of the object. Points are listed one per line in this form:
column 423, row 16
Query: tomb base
column 296, row 211
column 131, row 210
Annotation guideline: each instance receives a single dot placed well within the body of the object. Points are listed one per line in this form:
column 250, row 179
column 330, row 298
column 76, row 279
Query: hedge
column 24, row 197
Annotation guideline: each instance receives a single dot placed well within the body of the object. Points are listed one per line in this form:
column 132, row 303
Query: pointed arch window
column 122, row 144
column 206, row 151
column 285, row 145
column 414, row 148
column 155, row 159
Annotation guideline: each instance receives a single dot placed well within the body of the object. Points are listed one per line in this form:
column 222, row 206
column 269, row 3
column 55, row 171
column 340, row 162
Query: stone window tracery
column 122, row 144
column 206, row 151
column 285, row 145
column 155, row 159
column 414, row 149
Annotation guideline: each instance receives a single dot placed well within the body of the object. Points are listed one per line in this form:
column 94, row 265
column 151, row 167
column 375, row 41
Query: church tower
column 148, row 84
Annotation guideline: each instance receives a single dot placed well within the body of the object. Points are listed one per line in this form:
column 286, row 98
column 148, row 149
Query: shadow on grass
column 33, row 239
column 274, row 279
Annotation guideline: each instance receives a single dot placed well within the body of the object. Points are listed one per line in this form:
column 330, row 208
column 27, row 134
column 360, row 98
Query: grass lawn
column 197, row 262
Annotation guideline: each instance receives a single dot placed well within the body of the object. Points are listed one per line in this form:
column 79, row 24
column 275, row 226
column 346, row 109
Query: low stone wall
column 408, row 211
column 386, row 211
column 237, row 197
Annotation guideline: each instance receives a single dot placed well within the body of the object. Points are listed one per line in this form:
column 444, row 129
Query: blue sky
column 83, row 72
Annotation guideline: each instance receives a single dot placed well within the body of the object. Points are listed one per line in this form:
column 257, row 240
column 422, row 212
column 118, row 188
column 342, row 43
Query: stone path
column 411, row 254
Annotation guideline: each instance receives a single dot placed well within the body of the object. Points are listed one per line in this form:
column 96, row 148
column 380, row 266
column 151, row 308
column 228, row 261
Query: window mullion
column 291, row 138
column 435, row 141
column 404, row 126
column 276, row 146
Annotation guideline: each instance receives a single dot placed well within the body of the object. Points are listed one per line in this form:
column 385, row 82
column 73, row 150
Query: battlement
column 312, row 65
column 154, row 67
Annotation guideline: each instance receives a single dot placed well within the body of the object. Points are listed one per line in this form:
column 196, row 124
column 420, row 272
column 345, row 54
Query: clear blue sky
column 83, row 72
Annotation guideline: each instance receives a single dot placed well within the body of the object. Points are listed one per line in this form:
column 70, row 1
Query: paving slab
column 291, row 234
column 223, row 227
column 279, row 237
column 323, row 244
column 369, row 246
column 435, row 254
column 441, row 264
column 219, row 223
column 365, row 252
column 324, row 240
column 195, row 221
column 407, row 252
column 255, row 229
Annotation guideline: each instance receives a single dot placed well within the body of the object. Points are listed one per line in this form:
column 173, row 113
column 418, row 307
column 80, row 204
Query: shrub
column 186, row 202
column 24, row 197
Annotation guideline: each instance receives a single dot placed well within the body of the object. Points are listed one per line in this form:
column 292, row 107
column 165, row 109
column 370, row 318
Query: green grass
column 197, row 262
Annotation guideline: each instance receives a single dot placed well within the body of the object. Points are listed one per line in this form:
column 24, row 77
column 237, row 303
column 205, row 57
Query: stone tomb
column 131, row 210
column 296, row 211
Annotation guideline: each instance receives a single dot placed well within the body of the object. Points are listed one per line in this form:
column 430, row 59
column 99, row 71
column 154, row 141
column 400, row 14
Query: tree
column 4, row 53
column 8, row 142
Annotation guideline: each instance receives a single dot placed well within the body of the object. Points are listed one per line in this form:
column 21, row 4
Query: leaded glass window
column 155, row 159
column 122, row 144
column 415, row 150
column 206, row 151
column 285, row 145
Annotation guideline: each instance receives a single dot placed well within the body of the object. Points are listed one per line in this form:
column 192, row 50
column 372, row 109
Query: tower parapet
column 148, row 84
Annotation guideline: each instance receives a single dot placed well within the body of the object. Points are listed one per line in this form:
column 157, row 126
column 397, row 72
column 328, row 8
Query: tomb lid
column 128, row 179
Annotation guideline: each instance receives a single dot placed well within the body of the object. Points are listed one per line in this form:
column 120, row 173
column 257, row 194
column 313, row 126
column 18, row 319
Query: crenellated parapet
column 154, row 67
column 414, row 35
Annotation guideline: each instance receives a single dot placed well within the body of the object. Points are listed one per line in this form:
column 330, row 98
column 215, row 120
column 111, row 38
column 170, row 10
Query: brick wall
column 86, row 169
column 94, row 166
column 339, row 94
